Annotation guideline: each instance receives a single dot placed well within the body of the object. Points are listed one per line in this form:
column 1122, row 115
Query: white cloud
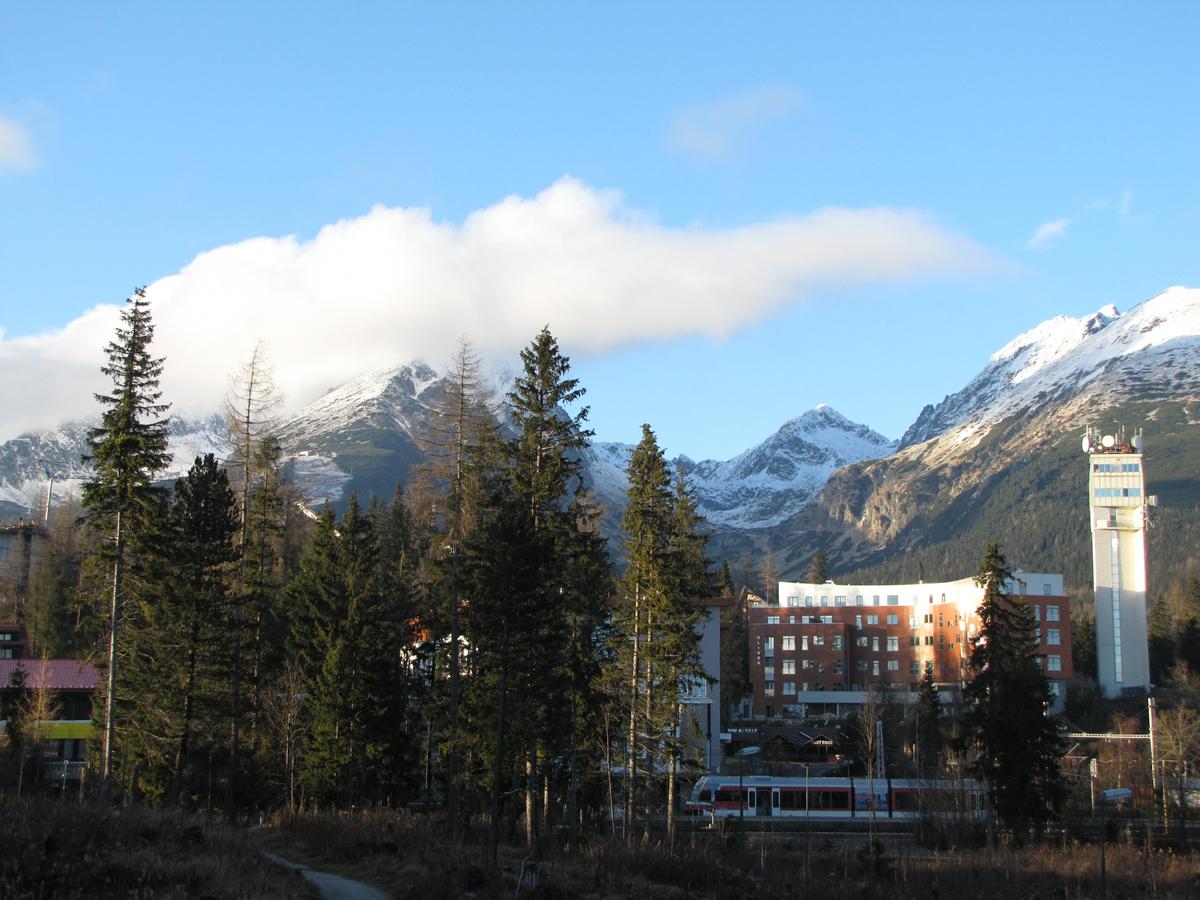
column 1048, row 232
column 710, row 131
column 16, row 147
column 394, row 285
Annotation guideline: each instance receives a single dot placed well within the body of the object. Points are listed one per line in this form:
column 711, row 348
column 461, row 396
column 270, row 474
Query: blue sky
column 1006, row 164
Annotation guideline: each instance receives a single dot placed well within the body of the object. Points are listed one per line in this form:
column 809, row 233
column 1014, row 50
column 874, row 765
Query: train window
column 728, row 795
column 705, row 796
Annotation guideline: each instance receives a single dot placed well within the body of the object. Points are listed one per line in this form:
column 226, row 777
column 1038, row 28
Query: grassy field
column 405, row 854
column 67, row 850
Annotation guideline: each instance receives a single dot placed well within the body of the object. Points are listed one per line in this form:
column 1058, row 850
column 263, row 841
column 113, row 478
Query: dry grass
column 407, row 855
column 67, row 850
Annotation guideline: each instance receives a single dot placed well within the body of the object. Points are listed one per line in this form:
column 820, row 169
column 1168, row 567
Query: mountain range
column 987, row 461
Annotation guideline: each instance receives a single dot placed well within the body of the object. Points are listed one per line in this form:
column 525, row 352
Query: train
column 833, row 798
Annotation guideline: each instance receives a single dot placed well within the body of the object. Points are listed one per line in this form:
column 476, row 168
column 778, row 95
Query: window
column 1047, row 590
column 858, row 621
column 893, row 619
column 915, row 640
column 769, row 672
column 941, row 620
column 1054, row 663
column 873, row 620
column 875, row 600
column 893, row 644
column 1054, row 688
column 808, row 601
column 874, row 667
column 789, row 642
column 6, row 652
column 769, row 688
column 806, row 620
column 837, row 667
column 875, row 643
column 791, row 620
column 789, row 667
column 772, row 620
column 837, row 642
column 769, row 646
column 1053, row 636
column 861, row 641
column 1052, row 613
column 804, row 642
column 825, row 620
column 820, row 665
column 789, row 688
column 929, row 616
column 806, row 664
column 862, row 665
column 839, row 601
column 858, row 601
column 824, row 601
column 6, row 635
column 893, row 600
column 912, row 620
column 914, row 667
column 818, row 640
column 1037, row 612
column 893, row 665
column 793, row 601
column 929, row 640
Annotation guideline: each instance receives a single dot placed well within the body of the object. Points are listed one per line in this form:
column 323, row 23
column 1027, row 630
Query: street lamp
column 742, row 754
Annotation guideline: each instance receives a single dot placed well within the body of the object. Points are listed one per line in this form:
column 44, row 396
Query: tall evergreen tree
column 928, row 725
column 1016, row 748
column 544, row 469
column 127, row 450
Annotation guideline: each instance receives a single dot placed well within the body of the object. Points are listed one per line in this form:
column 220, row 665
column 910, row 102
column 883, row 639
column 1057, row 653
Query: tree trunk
column 631, row 753
column 498, row 762
column 188, row 707
column 110, row 703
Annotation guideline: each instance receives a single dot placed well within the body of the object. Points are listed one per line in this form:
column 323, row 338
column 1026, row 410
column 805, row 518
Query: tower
column 1117, row 500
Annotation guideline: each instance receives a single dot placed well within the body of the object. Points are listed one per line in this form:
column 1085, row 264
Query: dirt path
column 330, row 886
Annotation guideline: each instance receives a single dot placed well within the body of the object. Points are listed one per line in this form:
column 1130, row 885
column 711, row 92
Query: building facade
column 1118, row 510
column 823, row 646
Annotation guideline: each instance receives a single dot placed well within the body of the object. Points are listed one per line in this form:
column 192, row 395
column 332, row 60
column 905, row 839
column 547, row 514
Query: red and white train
column 832, row 798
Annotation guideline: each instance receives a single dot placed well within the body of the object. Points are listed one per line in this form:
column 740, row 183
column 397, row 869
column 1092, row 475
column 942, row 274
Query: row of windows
column 1118, row 492
column 859, row 600
column 1116, row 467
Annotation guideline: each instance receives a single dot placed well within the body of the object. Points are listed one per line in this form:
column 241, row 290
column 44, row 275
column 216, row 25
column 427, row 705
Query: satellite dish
column 1137, row 442
column 1108, row 441
column 1087, row 444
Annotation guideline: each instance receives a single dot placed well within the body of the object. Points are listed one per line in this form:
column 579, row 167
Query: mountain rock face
column 997, row 454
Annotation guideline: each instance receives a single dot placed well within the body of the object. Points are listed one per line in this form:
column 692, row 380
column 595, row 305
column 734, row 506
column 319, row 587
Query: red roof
column 56, row 674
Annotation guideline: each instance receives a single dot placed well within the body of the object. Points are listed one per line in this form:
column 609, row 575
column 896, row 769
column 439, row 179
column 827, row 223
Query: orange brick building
column 822, row 646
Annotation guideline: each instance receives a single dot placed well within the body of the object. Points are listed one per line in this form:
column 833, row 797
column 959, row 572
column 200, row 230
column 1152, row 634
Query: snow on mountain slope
column 768, row 483
column 1157, row 341
column 28, row 461
column 397, row 398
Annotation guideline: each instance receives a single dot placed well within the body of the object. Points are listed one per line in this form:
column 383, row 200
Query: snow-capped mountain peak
column 1062, row 355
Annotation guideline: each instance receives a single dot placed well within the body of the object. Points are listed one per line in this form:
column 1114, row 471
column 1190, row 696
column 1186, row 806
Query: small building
column 68, row 686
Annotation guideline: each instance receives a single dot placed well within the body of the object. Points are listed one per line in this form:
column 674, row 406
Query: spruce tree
column 127, row 450
column 928, row 725
column 544, row 469
column 1015, row 745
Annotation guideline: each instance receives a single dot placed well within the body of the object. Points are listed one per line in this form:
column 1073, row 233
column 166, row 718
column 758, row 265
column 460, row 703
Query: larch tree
column 1014, row 743
column 128, row 449
column 463, row 433
column 250, row 406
